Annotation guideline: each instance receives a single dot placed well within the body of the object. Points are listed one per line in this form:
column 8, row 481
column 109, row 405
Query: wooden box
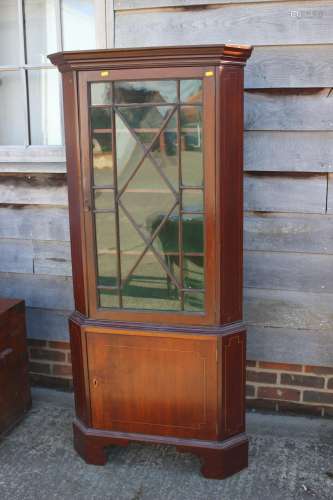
column 15, row 398
column 154, row 142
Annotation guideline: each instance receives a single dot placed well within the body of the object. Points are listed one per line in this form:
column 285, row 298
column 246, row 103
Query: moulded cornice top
column 187, row 55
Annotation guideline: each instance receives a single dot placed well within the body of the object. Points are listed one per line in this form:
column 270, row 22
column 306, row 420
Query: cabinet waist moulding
column 154, row 141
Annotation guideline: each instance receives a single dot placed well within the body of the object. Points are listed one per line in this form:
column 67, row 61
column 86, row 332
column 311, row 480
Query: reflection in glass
column 194, row 271
column 9, row 39
column 104, row 199
column 145, row 121
column 106, row 249
column 194, row 301
column 101, row 93
column 191, row 145
column 79, row 24
column 193, row 233
column 160, row 246
column 108, row 298
column 12, row 108
column 190, row 91
column 193, row 200
column 129, row 152
column 102, row 158
column 145, row 203
column 167, row 242
column 100, row 118
column 159, row 91
column 148, row 287
column 44, row 92
column 40, row 30
column 165, row 151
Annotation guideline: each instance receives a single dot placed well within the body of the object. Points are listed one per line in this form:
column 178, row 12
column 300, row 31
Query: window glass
column 9, row 29
column 12, row 108
column 44, row 104
column 158, row 155
column 79, row 24
column 40, row 30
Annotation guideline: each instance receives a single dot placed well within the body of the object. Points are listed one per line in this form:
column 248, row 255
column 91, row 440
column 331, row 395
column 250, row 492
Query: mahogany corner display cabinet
column 154, row 141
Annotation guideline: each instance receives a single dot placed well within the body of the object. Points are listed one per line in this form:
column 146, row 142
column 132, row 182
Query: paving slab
column 291, row 458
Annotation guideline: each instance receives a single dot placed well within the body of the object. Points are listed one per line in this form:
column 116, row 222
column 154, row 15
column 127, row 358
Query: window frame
column 27, row 152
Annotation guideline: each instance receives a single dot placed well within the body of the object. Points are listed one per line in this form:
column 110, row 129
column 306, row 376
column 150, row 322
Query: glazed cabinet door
column 153, row 383
column 147, row 141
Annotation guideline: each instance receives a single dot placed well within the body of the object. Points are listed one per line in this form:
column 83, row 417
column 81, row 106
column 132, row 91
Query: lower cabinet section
column 154, row 383
column 182, row 388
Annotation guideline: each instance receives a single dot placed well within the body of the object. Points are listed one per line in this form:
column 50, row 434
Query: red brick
column 62, row 370
column 251, row 364
column 47, row 355
column 263, row 377
column 261, row 404
column 302, row 380
column 59, row 345
column 319, row 370
column 36, row 343
column 325, row 398
column 63, row 384
column 330, row 383
column 278, row 393
column 328, row 412
column 250, row 390
column 288, row 406
column 39, row 367
column 69, row 358
column 280, row 366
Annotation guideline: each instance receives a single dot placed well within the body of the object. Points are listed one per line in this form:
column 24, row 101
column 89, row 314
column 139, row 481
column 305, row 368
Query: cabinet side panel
column 230, row 190
column 79, row 360
column 233, row 383
column 74, row 188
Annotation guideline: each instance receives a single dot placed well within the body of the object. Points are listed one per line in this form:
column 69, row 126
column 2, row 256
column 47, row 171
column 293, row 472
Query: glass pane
column 146, row 195
column 12, row 108
column 193, row 233
column 9, row 28
column 131, row 244
column 191, row 146
column 193, row 200
column 146, row 91
column 167, row 241
column 102, row 158
column 194, row 302
column 106, row 249
column 44, row 101
column 104, row 199
column 40, row 30
column 190, row 91
column 101, row 118
column 194, row 271
column 145, row 121
column 165, row 151
column 79, row 24
column 101, row 93
column 129, row 152
column 149, row 287
column 108, row 298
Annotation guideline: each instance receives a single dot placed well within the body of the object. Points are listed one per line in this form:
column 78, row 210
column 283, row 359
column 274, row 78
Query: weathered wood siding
column 288, row 295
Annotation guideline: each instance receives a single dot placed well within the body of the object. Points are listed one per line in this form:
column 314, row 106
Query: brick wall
column 270, row 386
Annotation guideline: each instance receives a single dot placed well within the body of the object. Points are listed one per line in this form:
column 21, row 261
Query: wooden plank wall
column 288, row 179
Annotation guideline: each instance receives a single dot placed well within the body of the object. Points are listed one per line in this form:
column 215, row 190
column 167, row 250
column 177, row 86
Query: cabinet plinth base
column 220, row 459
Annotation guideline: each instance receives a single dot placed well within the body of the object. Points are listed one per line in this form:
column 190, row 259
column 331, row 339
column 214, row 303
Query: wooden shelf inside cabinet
column 154, row 142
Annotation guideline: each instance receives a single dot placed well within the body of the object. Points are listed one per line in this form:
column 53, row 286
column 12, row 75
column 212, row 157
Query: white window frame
column 17, row 157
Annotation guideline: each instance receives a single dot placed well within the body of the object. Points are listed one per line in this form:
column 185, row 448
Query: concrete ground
column 290, row 458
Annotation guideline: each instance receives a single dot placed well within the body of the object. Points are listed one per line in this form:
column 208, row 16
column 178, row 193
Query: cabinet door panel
column 157, row 384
